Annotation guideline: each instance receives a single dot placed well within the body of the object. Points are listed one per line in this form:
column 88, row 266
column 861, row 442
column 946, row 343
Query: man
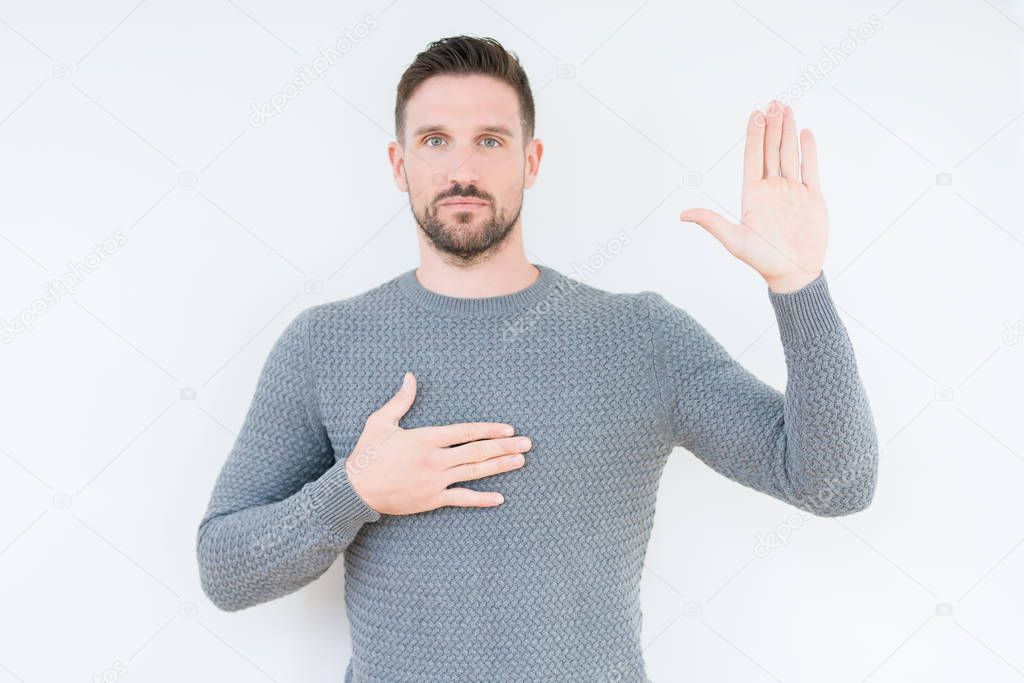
column 470, row 554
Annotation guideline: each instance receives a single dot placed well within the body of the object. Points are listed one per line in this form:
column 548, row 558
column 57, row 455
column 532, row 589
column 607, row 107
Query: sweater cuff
column 807, row 312
column 337, row 504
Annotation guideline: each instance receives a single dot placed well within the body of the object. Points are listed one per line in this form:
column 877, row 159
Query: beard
column 466, row 235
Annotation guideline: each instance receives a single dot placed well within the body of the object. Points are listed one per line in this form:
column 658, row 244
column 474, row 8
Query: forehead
column 463, row 103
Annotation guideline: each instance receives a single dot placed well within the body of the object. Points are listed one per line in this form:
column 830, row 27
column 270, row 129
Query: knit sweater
column 545, row 586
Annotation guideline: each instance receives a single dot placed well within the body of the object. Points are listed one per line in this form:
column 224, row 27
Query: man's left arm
column 814, row 446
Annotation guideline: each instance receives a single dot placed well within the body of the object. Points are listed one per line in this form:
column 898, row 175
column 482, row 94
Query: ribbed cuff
column 806, row 312
column 337, row 504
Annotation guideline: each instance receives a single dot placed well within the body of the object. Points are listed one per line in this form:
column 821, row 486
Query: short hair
column 466, row 55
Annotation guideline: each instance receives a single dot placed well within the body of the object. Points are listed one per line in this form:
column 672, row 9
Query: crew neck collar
column 411, row 287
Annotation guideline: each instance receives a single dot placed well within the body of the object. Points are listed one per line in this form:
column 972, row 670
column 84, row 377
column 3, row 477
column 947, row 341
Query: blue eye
column 438, row 137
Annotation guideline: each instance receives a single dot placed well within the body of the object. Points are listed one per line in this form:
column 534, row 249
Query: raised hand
column 783, row 229
column 404, row 471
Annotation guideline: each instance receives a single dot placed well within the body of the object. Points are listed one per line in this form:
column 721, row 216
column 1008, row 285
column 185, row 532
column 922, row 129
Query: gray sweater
column 544, row 587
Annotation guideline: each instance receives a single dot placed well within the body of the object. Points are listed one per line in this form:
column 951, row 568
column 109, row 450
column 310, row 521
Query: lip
column 463, row 202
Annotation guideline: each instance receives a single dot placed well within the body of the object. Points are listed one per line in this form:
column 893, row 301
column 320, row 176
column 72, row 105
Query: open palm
column 783, row 229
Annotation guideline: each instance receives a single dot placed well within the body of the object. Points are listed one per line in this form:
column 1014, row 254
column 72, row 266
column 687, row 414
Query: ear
column 534, row 151
column 396, row 157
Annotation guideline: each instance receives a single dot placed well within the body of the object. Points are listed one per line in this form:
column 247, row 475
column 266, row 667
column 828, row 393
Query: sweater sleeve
column 282, row 510
column 814, row 446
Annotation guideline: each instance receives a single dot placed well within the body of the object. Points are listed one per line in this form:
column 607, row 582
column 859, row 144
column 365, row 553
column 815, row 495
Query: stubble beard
column 467, row 237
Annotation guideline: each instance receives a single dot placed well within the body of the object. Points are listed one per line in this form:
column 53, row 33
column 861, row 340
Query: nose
column 463, row 169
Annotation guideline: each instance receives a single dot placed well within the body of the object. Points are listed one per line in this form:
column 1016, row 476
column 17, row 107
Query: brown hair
column 466, row 55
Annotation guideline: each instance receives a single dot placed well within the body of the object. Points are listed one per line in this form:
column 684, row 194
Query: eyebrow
column 502, row 130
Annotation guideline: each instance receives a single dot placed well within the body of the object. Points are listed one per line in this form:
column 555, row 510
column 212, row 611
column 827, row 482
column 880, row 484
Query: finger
column 772, row 139
column 399, row 404
column 753, row 152
column 462, row 497
column 722, row 229
column 486, row 468
column 809, row 163
column 483, row 450
column 465, row 432
column 790, row 152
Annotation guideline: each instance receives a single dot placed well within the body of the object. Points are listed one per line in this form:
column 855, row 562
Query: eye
column 495, row 140
column 432, row 137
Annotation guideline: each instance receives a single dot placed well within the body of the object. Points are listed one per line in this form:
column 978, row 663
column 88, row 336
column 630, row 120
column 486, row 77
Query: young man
column 464, row 559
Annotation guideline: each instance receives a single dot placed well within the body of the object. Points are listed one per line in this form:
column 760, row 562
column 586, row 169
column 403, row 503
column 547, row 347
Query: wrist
column 806, row 313
column 336, row 502
column 791, row 282
column 354, row 466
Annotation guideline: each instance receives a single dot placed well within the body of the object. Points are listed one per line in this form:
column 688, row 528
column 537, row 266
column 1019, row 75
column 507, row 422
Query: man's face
column 463, row 162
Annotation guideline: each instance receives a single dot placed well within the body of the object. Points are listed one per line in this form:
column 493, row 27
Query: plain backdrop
column 187, row 231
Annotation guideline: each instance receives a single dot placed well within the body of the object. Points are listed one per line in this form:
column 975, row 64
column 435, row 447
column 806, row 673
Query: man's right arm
column 282, row 509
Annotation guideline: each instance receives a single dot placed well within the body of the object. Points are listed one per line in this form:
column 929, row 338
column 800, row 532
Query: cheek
column 424, row 183
column 511, row 192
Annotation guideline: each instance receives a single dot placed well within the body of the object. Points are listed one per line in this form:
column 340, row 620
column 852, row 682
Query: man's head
column 464, row 123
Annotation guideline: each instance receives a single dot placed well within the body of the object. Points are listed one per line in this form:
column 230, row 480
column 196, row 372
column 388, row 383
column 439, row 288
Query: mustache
column 470, row 192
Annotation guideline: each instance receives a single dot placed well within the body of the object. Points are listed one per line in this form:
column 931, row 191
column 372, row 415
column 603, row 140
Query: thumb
column 714, row 223
column 399, row 404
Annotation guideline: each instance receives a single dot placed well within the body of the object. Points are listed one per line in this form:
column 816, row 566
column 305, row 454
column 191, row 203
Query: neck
column 511, row 303
column 505, row 271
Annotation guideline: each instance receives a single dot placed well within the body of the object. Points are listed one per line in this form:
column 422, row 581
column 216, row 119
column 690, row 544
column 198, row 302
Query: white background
column 106, row 469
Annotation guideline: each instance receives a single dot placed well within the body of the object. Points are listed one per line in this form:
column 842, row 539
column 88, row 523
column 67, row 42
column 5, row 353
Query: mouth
column 463, row 203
